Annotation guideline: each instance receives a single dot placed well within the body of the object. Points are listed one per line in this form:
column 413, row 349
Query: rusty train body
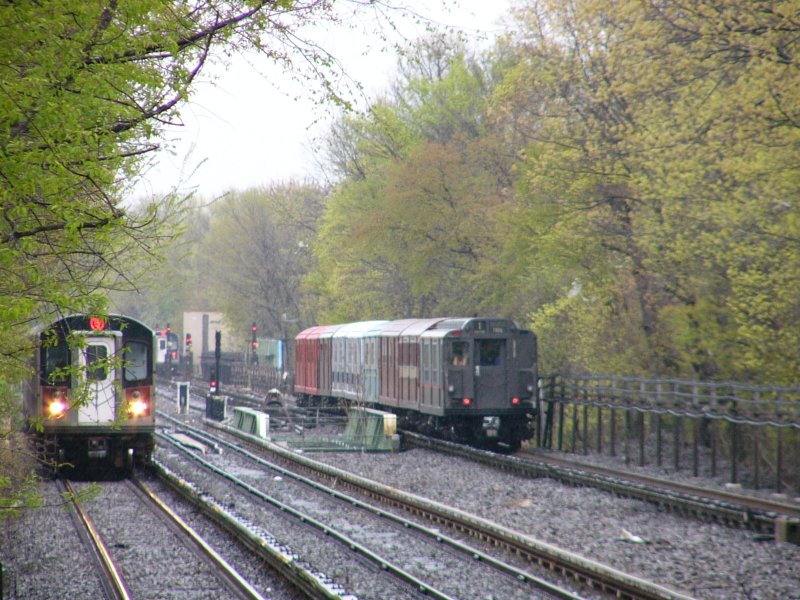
column 92, row 399
column 471, row 380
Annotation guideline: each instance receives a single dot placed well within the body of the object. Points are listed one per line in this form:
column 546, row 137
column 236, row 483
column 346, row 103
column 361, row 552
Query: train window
column 426, row 362
column 490, row 352
column 459, row 354
column 135, row 362
column 56, row 360
column 96, row 363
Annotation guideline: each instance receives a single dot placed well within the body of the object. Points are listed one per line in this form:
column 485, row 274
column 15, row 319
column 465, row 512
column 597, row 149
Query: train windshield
column 490, row 352
column 56, row 361
column 96, row 363
column 135, row 361
column 459, row 352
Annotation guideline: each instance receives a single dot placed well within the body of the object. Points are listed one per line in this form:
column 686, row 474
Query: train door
column 100, row 377
column 490, row 373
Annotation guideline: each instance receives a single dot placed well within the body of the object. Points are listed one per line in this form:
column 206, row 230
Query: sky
column 249, row 124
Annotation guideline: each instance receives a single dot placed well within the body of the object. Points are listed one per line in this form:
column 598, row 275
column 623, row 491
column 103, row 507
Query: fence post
column 756, row 456
column 734, row 441
column 756, row 444
column 712, row 428
column 676, row 443
column 779, row 461
column 627, row 435
column 734, row 453
column 658, row 424
column 561, row 416
column 599, row 429
column 585, row 440
column 574, row 425
column 613, row 418
column 641, row 439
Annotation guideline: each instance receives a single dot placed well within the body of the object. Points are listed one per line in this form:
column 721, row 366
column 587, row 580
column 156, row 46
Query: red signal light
column 97, row 323
column 467, row 401
column 515, row 401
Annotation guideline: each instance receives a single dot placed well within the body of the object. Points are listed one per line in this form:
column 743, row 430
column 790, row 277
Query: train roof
column 418, row 326
column 360, row 329
column 478, row 324
column 318, row 331
column 84, row 322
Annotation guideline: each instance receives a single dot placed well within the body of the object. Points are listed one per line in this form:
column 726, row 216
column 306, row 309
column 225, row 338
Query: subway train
column 91, row 401
column 168, row 355
column 471, row 380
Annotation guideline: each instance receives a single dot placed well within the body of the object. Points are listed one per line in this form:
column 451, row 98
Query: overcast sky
column 247, row 128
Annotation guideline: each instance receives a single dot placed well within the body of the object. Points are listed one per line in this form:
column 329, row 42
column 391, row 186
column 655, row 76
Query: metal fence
column 751, row 433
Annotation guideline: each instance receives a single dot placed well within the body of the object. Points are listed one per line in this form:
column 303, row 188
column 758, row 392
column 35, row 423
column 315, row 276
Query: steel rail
column 304, row 518
column 592, row 573
column 236, row 582
column 112, row 581
column 501, row 566
column 753, row 503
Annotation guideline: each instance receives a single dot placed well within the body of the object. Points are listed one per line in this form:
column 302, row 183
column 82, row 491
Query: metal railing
column 745, row 404
column 752, row 431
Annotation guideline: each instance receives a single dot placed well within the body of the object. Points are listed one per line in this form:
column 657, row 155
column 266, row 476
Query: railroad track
column 569, row 566
column 378, row 535
column 758, row 514
column 110, row 579
column 124, row 574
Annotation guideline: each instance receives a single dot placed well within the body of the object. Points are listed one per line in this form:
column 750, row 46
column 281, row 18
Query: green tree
column 85, row 91
column 413, row 226
column 655, row 184
column 257, row 252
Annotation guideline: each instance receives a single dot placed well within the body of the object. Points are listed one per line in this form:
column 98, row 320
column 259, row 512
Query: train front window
column 459, row 354
column 56, row 361
column 490, row 352
column 96, row 363
column 135, row 362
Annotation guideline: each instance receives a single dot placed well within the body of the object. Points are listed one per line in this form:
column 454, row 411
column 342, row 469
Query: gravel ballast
column 704, row 560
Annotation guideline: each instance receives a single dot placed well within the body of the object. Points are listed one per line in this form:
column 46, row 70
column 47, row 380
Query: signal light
column 97, row 323
column 212, row 386
column 515, row 401
column 467, row 401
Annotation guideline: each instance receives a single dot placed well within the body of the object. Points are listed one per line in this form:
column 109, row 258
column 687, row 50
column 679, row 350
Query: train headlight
column 56, row 404
column 138, row 402
column 138, row 408
column 57, row 407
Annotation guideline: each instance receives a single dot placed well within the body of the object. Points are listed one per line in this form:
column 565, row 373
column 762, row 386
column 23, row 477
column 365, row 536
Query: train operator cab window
column 135, row 361
column 96, row 363
column 490, row 352
column 56, row 360
column 459, row 354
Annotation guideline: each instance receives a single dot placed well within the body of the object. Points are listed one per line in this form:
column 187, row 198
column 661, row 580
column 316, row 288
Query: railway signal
column 254, row 343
